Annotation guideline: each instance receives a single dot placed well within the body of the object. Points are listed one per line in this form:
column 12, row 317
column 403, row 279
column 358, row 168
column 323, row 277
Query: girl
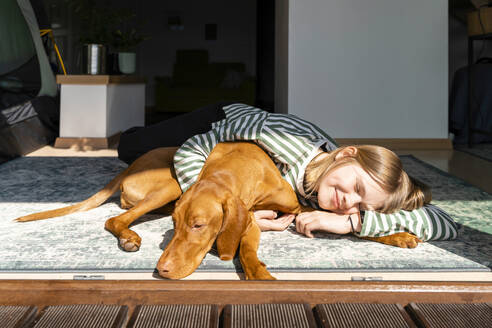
column 359, row 189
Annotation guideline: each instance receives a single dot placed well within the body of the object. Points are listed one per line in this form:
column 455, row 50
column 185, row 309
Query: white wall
column 370, row 69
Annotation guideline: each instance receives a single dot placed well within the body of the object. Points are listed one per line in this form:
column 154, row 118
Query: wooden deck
column 64, row 303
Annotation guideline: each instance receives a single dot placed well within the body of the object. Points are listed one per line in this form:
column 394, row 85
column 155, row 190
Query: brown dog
column 236, row 179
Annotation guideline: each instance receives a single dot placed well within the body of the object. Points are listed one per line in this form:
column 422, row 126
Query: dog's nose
column 164, row 268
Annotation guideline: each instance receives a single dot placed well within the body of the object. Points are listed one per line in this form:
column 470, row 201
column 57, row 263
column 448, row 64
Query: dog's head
column 204, row 214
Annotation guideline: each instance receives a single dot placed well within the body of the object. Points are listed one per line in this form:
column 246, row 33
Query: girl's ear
column 346, row 151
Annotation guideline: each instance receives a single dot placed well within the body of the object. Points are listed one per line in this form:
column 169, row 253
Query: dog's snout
column 164, row 267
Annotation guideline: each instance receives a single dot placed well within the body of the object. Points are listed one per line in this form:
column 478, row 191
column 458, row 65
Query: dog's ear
column 233, row 226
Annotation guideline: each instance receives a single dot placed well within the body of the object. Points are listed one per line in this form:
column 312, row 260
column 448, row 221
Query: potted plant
column 125, row 42
column 97, row 20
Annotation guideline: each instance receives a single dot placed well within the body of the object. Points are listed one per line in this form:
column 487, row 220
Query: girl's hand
column 268, row 221
column 307, row 222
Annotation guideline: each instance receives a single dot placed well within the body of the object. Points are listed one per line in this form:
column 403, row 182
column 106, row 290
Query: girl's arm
column 190, row 158
column 307, row 222
column 428, row 223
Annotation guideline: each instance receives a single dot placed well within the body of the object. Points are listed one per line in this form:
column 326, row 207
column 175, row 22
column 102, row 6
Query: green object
column 126, row 40
column 196, row 82
column 127, row 62
column 97, row 20
column 16, row 37
column 20, row 41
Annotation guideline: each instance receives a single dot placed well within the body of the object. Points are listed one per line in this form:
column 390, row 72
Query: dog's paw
column 408, row 241
column 405, row 240
column 130, row 241
column 259, row 273
column 400, row 239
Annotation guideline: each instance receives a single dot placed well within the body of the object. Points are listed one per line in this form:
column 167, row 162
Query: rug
column 79, row 243
column 484, row 151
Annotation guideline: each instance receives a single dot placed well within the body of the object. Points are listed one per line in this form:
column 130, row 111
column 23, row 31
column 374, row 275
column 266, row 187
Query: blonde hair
column 383, row 166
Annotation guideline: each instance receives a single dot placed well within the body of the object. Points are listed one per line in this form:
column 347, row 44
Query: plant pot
column 127, row 62
column 94, row 59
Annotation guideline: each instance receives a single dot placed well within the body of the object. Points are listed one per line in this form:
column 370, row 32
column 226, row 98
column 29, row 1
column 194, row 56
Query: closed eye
column 358, row 186
column 198, row 226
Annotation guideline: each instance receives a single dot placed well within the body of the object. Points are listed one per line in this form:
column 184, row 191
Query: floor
column 473, row 170
column 413, row 302
column 251, row 315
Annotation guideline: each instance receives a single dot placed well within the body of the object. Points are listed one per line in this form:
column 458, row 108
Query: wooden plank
column 354, row 315
column 438, row 276
column 17, row 316
column 82, row 315
column 268, row 316
column 175, row 315
column 451, row 315
column 400, row 144
column 99, row 79
column 132, row 293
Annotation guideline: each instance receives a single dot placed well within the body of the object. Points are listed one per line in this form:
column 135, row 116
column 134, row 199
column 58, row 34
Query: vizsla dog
column 237, row 179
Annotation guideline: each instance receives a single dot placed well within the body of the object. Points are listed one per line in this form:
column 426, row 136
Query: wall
column 281, row 56
column 370, row 69
column 236, row 34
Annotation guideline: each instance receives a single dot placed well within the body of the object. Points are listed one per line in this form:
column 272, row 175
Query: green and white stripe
column 428, row 223
column 292, row 143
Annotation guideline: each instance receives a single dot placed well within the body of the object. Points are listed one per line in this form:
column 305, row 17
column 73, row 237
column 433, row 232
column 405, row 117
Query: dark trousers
column 169, row 133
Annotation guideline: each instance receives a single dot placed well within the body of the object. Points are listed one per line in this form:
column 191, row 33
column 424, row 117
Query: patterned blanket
column 78, row 242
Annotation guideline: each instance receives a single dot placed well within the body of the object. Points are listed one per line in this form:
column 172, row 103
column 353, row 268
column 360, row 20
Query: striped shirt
column 292, row 143
column 428, row 223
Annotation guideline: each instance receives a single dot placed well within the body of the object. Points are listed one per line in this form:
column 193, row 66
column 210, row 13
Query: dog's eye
column 197, row 226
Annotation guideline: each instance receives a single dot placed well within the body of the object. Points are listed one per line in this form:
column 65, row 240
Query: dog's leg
column 253, row 268
column 162, row 194
column 400, row 239
column 282, row 199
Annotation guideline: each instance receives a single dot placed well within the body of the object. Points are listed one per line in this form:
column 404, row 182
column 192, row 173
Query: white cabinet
column 94, row 109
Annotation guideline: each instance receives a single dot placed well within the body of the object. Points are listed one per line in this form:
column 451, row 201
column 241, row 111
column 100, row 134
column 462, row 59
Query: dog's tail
column 90, row 203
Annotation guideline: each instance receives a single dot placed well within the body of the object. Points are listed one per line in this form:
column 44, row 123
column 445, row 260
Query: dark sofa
column 196, row 82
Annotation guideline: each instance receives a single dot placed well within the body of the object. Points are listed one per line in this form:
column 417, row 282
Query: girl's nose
column 351, row 200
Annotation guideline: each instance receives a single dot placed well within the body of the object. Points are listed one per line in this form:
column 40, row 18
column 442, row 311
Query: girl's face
column 348, row 189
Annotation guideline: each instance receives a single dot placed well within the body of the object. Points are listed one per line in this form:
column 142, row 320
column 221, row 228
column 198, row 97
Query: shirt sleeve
column 428, row 223
column 190, row 158
column 290, row 140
